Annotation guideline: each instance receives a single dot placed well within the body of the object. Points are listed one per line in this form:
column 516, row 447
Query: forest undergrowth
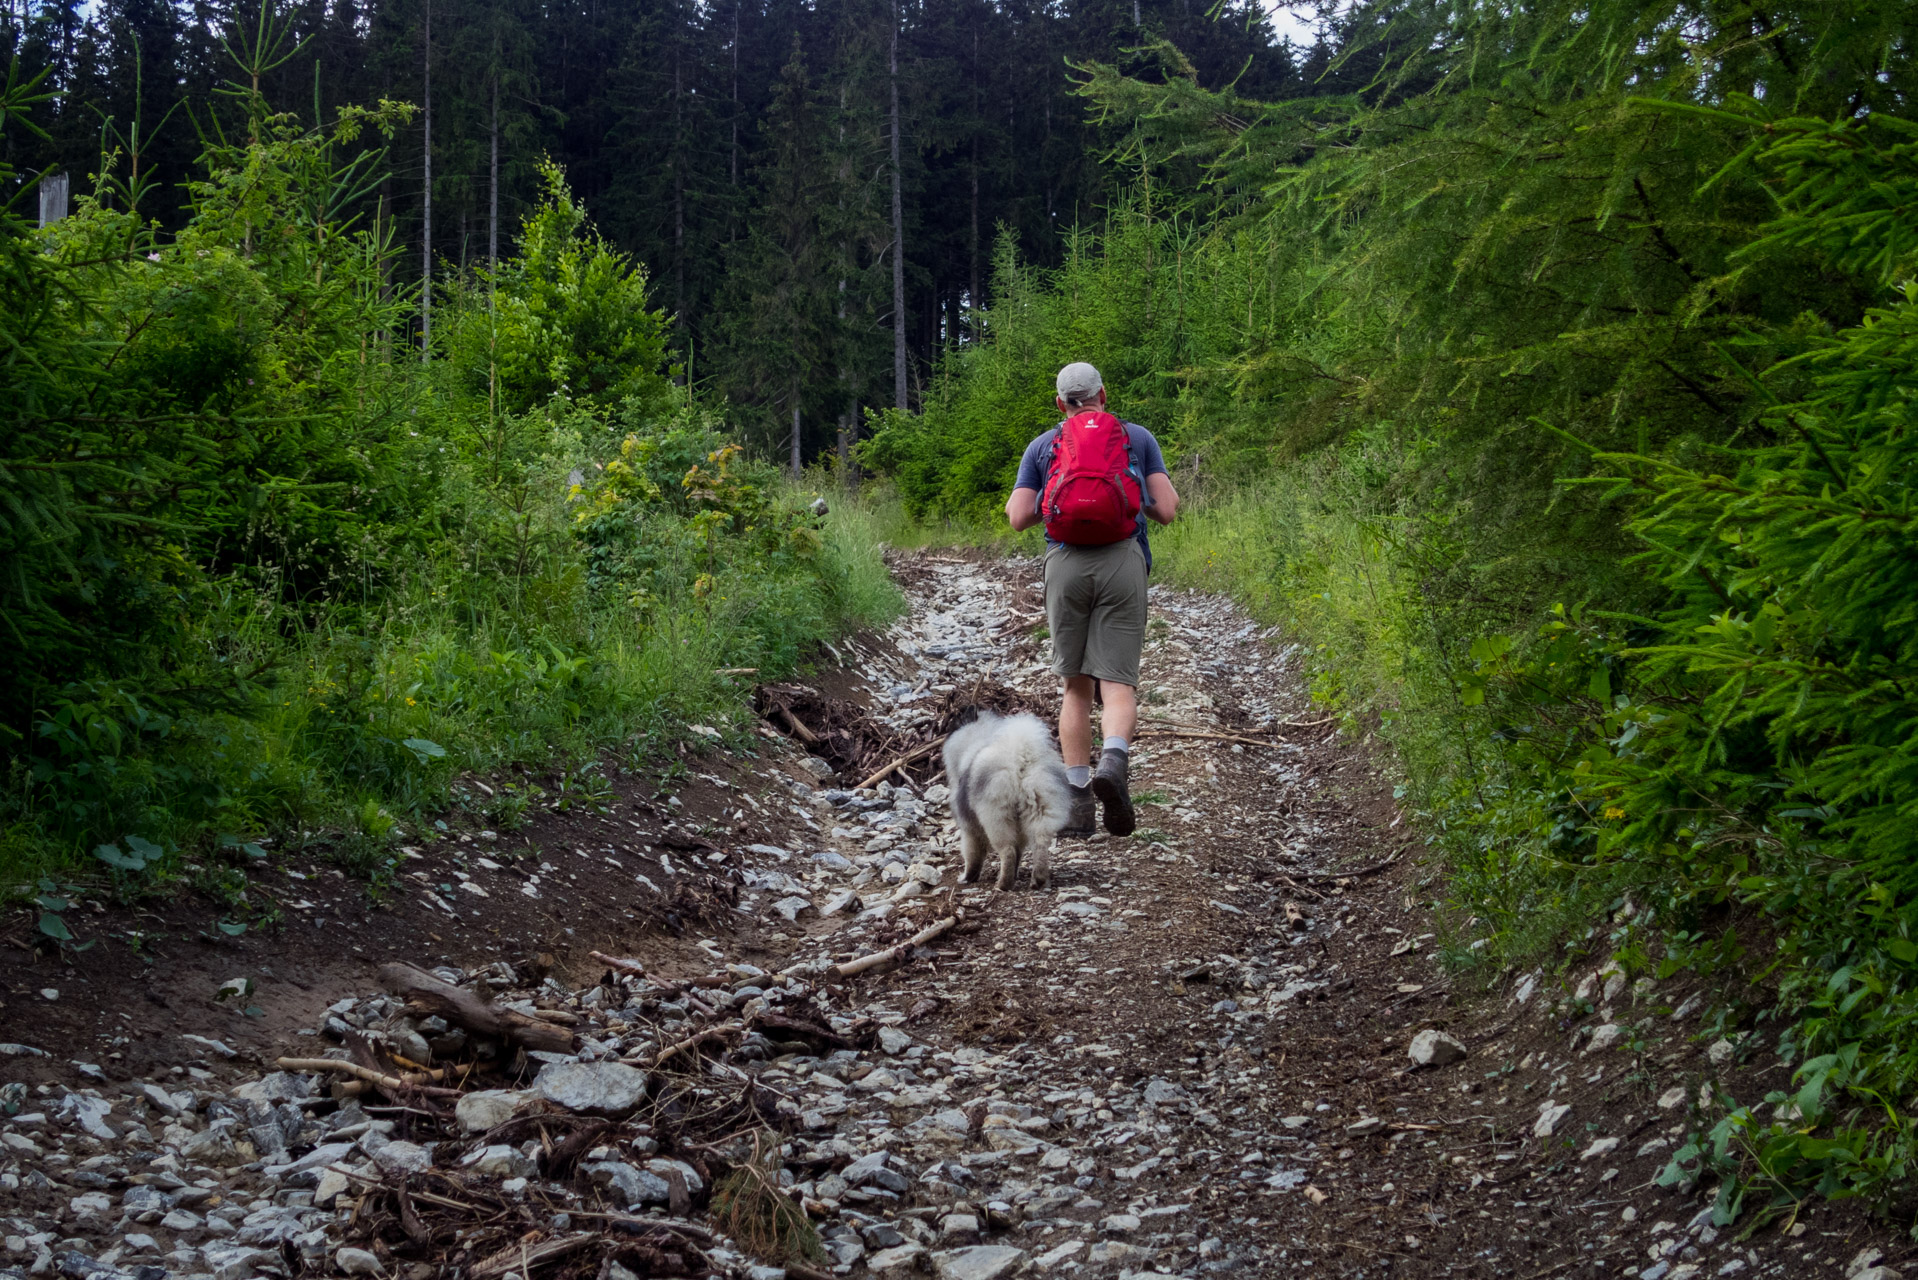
column 1557, row 393
column 273, row 581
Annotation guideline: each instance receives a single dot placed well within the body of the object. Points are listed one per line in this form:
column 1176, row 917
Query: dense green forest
column 1556, row 386
column 759, row 159
column 1548, row 370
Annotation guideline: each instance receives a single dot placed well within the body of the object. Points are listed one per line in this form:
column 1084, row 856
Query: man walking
column 1092, row 481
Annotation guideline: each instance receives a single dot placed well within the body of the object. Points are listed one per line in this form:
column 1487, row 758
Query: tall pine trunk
column 974, row 300
column 898, row 230
column 426, row 207
column 492, row 216
column 679, row 177
column 795, row 456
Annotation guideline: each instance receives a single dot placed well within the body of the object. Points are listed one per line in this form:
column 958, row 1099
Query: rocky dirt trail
column 739, row 1020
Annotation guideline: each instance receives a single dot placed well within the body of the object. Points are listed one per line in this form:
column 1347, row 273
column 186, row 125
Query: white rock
column 1604, row 1037
column 606, row 1088
column 487, row 1109
column 980, row 1262
column 1432, row 1048
column 1721, row 1052
column 1053, row 1257
column 1599, row 1147
column 792, row 906
column 357, row 1262
column 501, row 1161
column 1672, row 1097
column 1549, row 1114
column 403, row 1157
column 899, row 1257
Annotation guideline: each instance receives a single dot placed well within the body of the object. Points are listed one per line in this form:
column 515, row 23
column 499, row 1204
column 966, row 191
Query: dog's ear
column 965, row 717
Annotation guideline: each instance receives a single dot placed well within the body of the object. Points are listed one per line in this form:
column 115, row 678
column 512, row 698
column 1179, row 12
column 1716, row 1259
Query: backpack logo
column 1092, row 495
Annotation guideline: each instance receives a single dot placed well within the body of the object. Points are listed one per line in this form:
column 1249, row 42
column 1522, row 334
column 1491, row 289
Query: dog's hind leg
column 1011, row 843
column 1041, row 860
column 972, row 849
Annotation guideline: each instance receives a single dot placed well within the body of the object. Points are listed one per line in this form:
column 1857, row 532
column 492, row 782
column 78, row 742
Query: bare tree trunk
column 898, row 230
column 492, row 217
column 679, row 180
column 737, row 5
column 426, row 207
column 976, row 300
column 795, row 456
column 848, row 433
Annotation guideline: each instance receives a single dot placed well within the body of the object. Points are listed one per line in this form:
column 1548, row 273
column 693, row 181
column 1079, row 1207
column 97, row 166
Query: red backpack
column 1092, row 495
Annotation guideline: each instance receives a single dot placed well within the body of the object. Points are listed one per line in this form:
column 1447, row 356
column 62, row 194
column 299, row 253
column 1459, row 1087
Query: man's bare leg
column 1075, row 720
column 1075, row 744
column 1120, row 719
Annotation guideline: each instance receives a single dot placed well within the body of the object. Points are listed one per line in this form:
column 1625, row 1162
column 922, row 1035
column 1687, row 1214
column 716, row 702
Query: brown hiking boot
column 1109, row 784
column 1085, row 814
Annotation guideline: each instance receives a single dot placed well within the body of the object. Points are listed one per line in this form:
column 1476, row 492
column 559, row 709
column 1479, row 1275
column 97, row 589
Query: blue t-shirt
column 1147, row 459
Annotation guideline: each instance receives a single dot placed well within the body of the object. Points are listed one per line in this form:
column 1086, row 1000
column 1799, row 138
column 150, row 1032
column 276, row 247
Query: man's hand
column 1022, row 510
column 1165, row 499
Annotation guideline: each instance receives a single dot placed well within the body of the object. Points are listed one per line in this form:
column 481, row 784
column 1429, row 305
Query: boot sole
column 1119, row 817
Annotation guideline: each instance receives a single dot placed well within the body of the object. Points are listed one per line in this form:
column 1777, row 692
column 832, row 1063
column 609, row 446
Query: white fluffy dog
column 1009, row 792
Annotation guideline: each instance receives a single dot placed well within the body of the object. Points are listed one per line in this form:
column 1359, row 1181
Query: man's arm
column 1022, row 509
column 1165, row 499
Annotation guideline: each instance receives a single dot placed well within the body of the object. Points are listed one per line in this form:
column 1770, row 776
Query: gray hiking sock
column 1116, row 743
column 1078, row 774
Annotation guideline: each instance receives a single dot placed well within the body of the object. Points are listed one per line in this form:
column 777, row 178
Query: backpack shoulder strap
column 1050, row 451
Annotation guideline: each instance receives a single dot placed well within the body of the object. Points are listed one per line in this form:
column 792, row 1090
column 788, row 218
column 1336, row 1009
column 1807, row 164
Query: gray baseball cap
column 1079, row 382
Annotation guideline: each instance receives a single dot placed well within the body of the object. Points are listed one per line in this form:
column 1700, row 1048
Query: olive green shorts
column 1095, row 609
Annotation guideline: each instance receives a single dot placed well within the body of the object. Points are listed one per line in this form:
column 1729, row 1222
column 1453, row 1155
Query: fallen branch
column 524, row 1257
column 1214, row 737
column 735, row 671
column 618, row 965
column 917, row 753
column 710, row 1034
column 391, row 1084
column 892, row 955
column 805, row 734
column 426, row 994
column 1326, row 877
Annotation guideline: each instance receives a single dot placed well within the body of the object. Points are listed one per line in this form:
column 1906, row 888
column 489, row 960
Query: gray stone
column 1160, row 1092
column 236, row 1262
column 872, row 1170
column 663, row 1169
column 487, row 1109
column 634, row 1186
column 325, row 1154
column 501, row 1161
column 600, row 1088
column 357, row 1262
column 403, row 1157
column 180, row 1222
column 159, row 1098
column 1365, row 1127
column 1436, row 1049
column 899, row 1257
column 1604, row 1037
column 980, row 1262
column 893, row 1040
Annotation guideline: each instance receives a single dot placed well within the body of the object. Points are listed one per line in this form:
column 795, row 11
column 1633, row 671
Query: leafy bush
column 265, row 570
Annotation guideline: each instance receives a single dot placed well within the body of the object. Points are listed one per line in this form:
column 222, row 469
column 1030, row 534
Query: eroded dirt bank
column 1193, row 1056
